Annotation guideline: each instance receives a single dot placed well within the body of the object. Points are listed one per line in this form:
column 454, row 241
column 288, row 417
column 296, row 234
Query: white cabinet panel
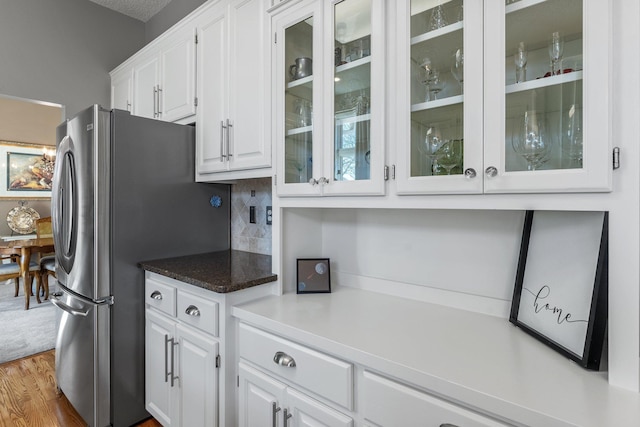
column 122, row 89
column 198, row 378
column 233, row 111
column 177, row 90
column 145, row 82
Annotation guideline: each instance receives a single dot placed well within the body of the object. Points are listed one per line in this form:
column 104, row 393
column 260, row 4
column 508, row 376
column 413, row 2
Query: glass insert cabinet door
column 440, row 85
column 549, row 64
column 327, row 56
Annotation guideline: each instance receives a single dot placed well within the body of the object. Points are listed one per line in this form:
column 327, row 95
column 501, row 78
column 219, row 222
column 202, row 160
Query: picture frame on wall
column 561, row 290
column 313, row 276
column 26, row 171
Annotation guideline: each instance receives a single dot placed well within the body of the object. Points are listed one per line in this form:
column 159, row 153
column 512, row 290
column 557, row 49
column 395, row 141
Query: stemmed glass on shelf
column 572, row 135
column 556, row 49
column 451, row 157
column 433, row 143
column 520, row 61
column 457, row 67
column 531, row 141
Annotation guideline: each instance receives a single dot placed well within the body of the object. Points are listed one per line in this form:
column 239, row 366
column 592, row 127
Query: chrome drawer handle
column 156, row 295
column 283, row 359
column 192, row 310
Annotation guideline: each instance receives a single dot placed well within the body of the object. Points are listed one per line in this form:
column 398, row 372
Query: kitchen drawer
column 199, row 312
column 321, row 374
column 160, row 296
column 388, row 403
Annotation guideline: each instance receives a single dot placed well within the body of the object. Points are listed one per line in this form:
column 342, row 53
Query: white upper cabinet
column 329, row 114
column 122, row 89
column 160, row 81
column 503, row 96
column 233, row 112
column 164, row 80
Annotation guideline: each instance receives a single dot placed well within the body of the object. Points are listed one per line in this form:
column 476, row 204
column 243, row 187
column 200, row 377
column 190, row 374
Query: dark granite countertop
column 221, row 272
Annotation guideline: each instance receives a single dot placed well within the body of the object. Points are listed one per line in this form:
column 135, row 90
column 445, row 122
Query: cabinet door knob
column 283, row 359
column 192, row 310
column 470, row 173
column 156, row 295
column 491, row 171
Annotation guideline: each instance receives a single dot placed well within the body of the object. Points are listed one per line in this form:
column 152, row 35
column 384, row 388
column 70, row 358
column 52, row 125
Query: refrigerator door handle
column 55, row 300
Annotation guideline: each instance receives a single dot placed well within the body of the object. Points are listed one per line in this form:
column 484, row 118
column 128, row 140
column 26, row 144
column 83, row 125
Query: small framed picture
column 313, row 276
column 560, row 295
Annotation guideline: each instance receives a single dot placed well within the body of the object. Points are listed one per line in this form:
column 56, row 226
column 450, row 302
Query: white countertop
column 483, row 361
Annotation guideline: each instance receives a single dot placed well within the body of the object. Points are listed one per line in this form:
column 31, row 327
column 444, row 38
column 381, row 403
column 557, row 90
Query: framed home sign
column 313, row 276
column 560, row 294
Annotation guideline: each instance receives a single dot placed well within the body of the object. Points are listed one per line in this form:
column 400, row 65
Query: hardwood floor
column 29, row 398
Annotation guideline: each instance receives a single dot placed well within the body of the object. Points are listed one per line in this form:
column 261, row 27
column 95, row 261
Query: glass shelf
column 428, row 105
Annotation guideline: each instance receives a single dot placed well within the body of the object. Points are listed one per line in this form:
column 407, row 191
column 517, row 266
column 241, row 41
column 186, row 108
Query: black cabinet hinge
column 616, row 157
column 218, row 361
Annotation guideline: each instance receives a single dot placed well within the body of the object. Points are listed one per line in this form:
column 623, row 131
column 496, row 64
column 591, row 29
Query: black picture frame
column 313, row 276
column 564, row 304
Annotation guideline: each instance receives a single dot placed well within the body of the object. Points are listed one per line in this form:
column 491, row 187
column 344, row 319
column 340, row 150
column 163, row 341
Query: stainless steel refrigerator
column 123, row 192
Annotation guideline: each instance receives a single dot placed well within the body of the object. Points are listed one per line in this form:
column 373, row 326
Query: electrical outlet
column 269, row 215
column 252, row 214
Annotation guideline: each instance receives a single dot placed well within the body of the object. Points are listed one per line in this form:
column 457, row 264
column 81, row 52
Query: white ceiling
column 141, row 10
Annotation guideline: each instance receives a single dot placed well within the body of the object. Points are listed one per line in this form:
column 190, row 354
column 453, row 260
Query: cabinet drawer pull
column 283, row 359
column 156, row 295
column 192, row 310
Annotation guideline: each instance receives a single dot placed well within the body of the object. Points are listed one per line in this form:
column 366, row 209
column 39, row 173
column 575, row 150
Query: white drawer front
column 160, row 296
column 321, row 374
column 199, row 312
column 388, row 403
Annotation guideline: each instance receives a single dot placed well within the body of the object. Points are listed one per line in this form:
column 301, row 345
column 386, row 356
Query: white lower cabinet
column 389, row 403
column 265, row 401
column 181, row 374
column 282, row 383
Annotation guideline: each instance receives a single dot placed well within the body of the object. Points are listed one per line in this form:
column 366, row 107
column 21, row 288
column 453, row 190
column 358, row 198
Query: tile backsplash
column 246, row 236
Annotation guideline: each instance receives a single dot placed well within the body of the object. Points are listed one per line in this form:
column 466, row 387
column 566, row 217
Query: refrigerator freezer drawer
column 160, row 296
column 82, row 356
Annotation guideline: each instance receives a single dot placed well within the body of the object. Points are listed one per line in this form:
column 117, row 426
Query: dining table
column 26, row 248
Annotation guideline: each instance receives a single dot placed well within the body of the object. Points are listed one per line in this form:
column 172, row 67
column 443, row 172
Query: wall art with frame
column 313, row 276
column 26, row 170
column 561, row 289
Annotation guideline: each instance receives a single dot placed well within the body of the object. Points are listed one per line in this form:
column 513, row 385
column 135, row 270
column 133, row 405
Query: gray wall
column 169, row 15
column 62, row 51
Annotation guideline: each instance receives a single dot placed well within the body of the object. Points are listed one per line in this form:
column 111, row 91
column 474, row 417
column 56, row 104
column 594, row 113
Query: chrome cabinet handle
column 283, row 359
column 229, row 126
column 286, row 417
column 320, row 181
column 192, row 310
column 222, row 142
column 155, row 101
column 491, row 171
column 274, row 411
column 470, row 173
column 166, row 358
column 156, row 295
column 159, row 101
column 173, row 359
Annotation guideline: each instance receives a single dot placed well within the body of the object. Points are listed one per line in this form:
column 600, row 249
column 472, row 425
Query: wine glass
column 433, row 141
column 531, row 140
column 556, row 49
column 451, row 154
column 438, row 18
column 572, row 135
column 425, row 76
column 457, row 67
column 520, row 60
column 436, row 84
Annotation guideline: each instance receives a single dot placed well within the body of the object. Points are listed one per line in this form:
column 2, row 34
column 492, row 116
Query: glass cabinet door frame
column 375, row 185
column 470, row 181
column 596, row 173
column 289, row 17
column 323, row 152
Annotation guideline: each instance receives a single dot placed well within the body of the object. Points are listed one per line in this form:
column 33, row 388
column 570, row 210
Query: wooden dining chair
column 47, row 263
column 11, row 270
